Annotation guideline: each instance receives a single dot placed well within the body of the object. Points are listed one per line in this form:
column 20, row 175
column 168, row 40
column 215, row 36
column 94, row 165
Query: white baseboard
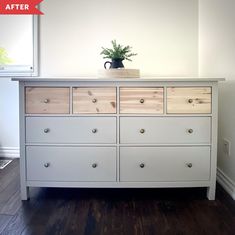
column 227, row 183
column 9, row 152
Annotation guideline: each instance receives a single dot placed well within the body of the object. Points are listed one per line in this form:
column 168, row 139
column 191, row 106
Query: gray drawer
column 165, row 130
column 71, row 130
column 71, row 163
column 164, row 163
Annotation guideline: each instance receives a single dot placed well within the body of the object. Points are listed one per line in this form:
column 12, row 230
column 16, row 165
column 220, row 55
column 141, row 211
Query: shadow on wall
column 227, row 127
column 9, row 117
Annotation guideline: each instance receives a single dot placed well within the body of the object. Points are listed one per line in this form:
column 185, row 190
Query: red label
column 19, row 7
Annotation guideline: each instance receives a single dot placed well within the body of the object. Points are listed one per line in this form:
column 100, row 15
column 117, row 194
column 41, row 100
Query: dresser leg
column 211, row 193
column 24, row 193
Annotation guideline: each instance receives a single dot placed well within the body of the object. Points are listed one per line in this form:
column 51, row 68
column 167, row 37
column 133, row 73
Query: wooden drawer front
column 141, row 100
column 94, row 100
column 71, row 163
column 71, row 130
column 164, row 163
column 189, row 100
column 52, row 100
column 165, row 130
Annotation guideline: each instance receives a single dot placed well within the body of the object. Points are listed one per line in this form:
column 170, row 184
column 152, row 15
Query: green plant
column 4, row 59
column 117, row 52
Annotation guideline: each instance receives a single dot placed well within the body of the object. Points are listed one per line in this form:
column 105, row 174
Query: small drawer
column 189, row 100
column 165, row 130
column 140, row 164
column 47, row 100
column 141, row 100
column 94, row 100
column 71, row 163
column 71, row 130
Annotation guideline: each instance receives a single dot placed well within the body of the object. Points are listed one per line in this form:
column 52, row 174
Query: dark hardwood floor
column 111, row 211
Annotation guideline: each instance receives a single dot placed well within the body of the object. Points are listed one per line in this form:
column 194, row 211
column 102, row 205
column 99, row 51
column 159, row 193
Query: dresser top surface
column 94, row 79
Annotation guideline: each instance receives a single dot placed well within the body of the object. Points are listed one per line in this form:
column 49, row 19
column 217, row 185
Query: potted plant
column 117, row 54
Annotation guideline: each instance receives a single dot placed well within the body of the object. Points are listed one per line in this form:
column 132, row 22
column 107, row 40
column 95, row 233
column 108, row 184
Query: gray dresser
column 116, row 133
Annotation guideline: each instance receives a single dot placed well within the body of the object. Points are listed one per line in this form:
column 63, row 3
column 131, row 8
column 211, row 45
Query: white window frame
column 20, row 71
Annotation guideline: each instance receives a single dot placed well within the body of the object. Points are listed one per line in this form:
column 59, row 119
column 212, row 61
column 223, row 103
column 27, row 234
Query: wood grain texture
column 141, row 100
column 119, row 73
column 47, row 100
column 94, row 100
column 189, row 100
column 9, row 189
column 116, row 211
column 4, row 220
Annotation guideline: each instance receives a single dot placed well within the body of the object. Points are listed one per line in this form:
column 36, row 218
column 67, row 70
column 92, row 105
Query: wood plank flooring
column 111, row 211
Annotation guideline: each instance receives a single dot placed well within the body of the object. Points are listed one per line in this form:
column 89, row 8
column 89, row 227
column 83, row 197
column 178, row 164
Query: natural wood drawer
column 164, row 163
column 47, row 100
column 94, row 100
column 189, row 100
column 141, row 100
column 82, row 130
column 48, row 163
column 165, row 130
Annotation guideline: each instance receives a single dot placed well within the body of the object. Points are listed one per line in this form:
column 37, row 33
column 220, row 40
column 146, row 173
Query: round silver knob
column 94, row 130
column 142, row 131
column 141, row 101
column 47, row 164
column 190, row 131
column 94, row 100
column 46, row 101
column 189, row 165
column 190, row 101
column 94, row 165
column 46, row 130
column 142, row 165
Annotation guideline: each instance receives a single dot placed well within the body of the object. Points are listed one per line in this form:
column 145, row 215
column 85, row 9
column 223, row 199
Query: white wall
column 164, row 33
column 217, row 58
column 9, row 121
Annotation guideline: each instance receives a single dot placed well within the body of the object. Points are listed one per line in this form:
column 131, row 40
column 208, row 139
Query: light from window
column 17, row 45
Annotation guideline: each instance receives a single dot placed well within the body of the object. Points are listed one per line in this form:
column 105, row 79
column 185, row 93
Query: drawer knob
column 142, row 165
column 46, row 130
column 94, row 130
column 189, row 165
column 190, row 101
column 142, row 131
column 190, row 131
column 94, row 165
column 94, row 100
column 141, row 101
column 46, row 101
column 47, row 164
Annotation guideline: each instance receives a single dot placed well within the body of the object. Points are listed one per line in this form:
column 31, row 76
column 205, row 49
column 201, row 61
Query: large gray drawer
column 164, row 163
column 165, row 130
column 71, row 130
column 71, row 163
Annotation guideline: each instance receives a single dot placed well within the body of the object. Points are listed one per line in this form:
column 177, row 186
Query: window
column 18, row 45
